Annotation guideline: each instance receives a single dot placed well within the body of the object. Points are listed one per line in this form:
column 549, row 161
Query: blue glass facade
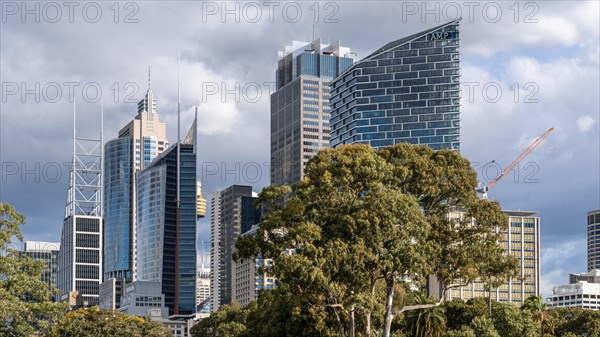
column 407, row 91
column 117, row 209
column 166, row 248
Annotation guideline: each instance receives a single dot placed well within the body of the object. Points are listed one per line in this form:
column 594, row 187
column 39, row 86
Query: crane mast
column 515, row 162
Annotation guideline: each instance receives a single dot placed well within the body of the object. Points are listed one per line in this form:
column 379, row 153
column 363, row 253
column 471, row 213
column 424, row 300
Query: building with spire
column 166, row 224
column 80, row 254
column 300, row 105
column 138, row 143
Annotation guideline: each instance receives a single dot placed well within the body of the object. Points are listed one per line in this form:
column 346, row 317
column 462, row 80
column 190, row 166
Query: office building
column 407, row 91
column 166, row 224
column 233, row 212
column 522, row 240
column 593, row 276
column 111, row 293
column 247, row 279
column 593, row 246
column 300, row 105
column 215, row 248
column 203, row 290
column 47, row 252
column 582, row 294
column 138, row 143
column 80, row 255
column 139, row 297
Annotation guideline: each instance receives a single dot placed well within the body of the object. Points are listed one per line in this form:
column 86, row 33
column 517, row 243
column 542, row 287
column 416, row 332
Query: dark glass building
column 166, row 233
column 406, row 91
column 300, row 106
column 234, row 213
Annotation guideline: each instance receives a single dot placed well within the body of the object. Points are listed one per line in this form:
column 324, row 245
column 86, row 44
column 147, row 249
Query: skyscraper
column 138, row 143
column 47, row 252
column 406, row 91
column 521, row 240
column 593, row 246
column 233, row 212
column 80, row 255
column 166, row 224
column 300, row 106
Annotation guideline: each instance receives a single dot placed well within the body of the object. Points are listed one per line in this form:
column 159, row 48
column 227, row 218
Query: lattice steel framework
column 84, row 196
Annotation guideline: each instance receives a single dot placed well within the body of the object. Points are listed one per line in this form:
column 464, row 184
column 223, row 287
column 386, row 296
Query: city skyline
column 502, row 53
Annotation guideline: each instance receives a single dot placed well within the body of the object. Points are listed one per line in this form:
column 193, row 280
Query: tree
column 429, row 322
column 26, row 306
column 575, row 321
column 228, row 321
column 361, row 218
column 539, row 313
column 95, row 322
column 484, row 327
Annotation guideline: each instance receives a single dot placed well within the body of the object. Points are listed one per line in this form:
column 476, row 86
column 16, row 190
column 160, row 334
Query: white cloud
column 585, row 123
column 557, row 263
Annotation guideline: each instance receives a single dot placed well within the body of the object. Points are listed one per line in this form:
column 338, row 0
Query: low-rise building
column 579, row 295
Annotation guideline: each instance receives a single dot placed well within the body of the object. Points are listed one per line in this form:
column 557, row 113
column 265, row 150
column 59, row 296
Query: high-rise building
column 521, row 240
column 203, row 290
column 247, row 280
column 138, row 143
column 166, row 224
column 47, row 252
column 300, row 105
column 233, row 212
column 405, row 92
column 593, row 246
column 80, row 255
column 215, row 248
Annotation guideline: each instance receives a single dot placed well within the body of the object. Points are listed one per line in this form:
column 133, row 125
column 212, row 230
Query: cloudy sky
column 526, row 67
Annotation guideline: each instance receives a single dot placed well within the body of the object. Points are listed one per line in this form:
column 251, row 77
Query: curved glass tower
column 405, row 92
column 118, row 212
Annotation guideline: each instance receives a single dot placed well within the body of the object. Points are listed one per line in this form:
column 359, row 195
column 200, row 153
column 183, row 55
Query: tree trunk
column 368, row 314
column 368, row 324
column 339, row 322
column 387, row 326
column 352, row 331
column 490, row 303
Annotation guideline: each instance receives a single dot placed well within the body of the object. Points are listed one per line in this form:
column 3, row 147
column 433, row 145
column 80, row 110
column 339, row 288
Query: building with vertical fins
column 593, row 244
column 47, row 252
column 521, row 240
column 215, row 248
column 138, row 143
column 233, row 212
column 80, row 255
column 166, row 224
column 407, row 91
column 300, row 105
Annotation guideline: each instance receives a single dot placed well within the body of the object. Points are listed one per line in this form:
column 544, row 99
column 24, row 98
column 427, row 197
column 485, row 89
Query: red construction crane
column 515, row 162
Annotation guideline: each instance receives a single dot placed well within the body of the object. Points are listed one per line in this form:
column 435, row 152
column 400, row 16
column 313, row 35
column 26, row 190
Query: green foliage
column 26, row 307
column 464, row 331
column 484, row 327
column 95, row 322
column 429, row 322
column 580, row 322
column 228, row 321
column 362, row 218
column 538, row 312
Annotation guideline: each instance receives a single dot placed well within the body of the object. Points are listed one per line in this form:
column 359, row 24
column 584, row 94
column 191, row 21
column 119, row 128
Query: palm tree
column 430, row 322
column 539, row 313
